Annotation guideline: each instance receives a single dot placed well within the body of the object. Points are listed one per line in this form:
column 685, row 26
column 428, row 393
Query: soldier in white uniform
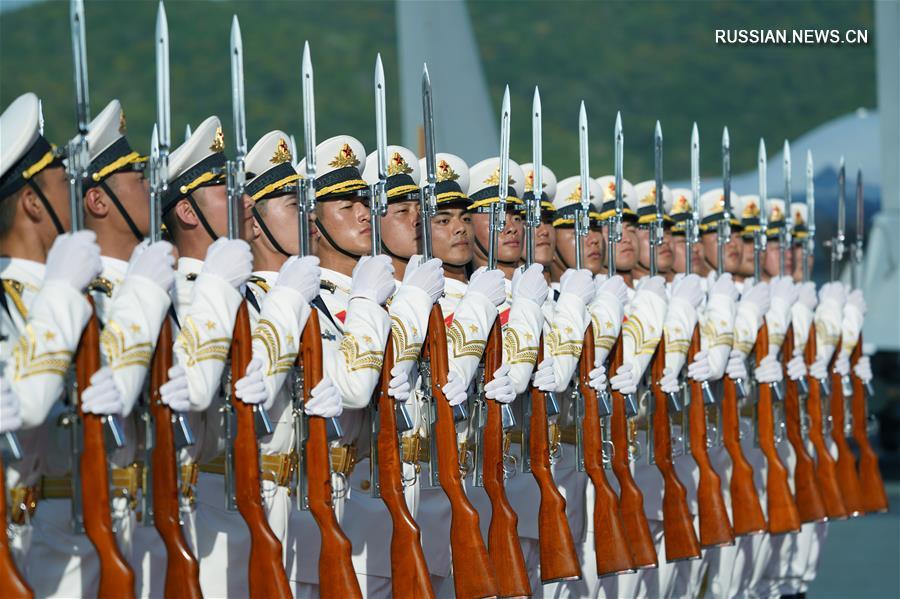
column 131, row 299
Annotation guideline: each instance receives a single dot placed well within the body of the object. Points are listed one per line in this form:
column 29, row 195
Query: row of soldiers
column 375, row 375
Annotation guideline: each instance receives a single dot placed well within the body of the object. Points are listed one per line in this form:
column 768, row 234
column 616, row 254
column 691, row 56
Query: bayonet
column 614, row 223
column 307, row 199
column 784, row 241
column 656, row 225
column 581, row 215
column 723, row 226
column 692, row 230
column 837, row 244
column 759, row 237
column 427, row 200
column 810, row 243
column 79, row 157
column 498, row 209
column 187, row 132
column 378, row 201
column 533, row 206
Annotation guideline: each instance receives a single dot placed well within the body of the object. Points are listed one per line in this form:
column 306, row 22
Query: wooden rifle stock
column 266, row 566
column 337, row 578
column 12, row 583
column 182, row 570
column 503, row 537
column 846, row 462
column 826, row 469
column 559, row 561
column 409, row 571
column 783, row 514
column 809, row 498
column 678, row 525
column 116, row 577
column 631, row 500
column 611, row 544
column 746, row 510
column 473, row 574
column 715, row 529
column 874, row 497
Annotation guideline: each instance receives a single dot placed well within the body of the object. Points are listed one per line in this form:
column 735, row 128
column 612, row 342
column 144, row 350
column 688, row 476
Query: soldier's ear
column 31, row 204
column 96, row 202
column 185, row 213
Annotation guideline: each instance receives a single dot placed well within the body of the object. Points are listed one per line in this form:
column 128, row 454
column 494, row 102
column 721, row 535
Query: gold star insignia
column 529, row 336
column 722, row 322
column 678, row 330
column 608, row 324
column 290, row 340
column 135, row 328
column 210, row 325
column 473, row 328
column 367, row 339
column 568, row 330
column 415, row 331
column 49, row 336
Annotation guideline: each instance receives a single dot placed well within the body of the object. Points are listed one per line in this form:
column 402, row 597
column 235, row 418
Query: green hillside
column 649, row 59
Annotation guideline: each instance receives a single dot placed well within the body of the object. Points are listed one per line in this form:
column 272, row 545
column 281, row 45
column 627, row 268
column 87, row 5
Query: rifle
column 559, row 561
column 631, row 500
column 746, row 512
column 846, row 462
column 90, row 470
column 337, row 577
column 12, row 583
column 809, row 498
column 473, row 573
column 409, row 571
column 678, row 525
column 874, row 498
column 267, row 577
column 167, row 430
column 503, row 538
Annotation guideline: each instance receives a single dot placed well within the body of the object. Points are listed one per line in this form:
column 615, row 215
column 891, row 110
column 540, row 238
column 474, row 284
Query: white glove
column 399, row 387
column 454, row 390
column 251, row 389
column 669, row 381
column 796, row 368
column 737, row 366
column 74, row 259
column 10, row 418
column 819, row 369
column 615, row 286
column 656, row 285
column 324, row 400
column 530, row 284
column 757, row 295
column 622, row 380
column 102, row 396
column 489, row 284
column 855, row 299
column 725, row 286
column 428, row 276
column 155, row 261
column 842, row 364
column 833, row 292
column 303, row 275
column 597, row 378
column 230, row 260
column 688, row 289
column 373, row 279
column 579, row 283
column 544, row 378
column 769, row 370
column 700, row 369
column 501, row 388
column 785, row 289
column 174, row 393
column 807, row 295
column 863, row 369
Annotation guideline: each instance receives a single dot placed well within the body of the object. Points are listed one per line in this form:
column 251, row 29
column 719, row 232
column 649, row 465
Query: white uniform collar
column 113, row 268
column 339, row 280
column 27, row 272
column 189, row 265
column 268, row 276
column 454, row 288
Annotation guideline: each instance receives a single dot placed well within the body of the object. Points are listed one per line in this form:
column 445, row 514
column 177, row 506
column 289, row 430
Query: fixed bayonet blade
column 726, row 170
column 810, row 197
column 380, row 122
column 860, row 223
column 79, row 52
column 309, row 113
column 787, row 177
column 619, row 147
column 503, row 192
column 237, row 89
column 584, row 160
column 695, row 180
column 841, row 216
column 762, row 166
column 533, row 206
column 162, row 80
column 658, row 170
column 427, row 200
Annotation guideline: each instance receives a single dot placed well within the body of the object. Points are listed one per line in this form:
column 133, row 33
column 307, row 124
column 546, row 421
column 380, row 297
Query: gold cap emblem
column 344, row 158
column 575, row 196
column 777, row 213
column 282, row 153
column 751, row 210
column 610, row 192
column 681, row 205
column 398, row 166
column 798, row 218
column 218, row 144
column 445, row 172
column 650, row 198
column 494, row 179
column 122, row 126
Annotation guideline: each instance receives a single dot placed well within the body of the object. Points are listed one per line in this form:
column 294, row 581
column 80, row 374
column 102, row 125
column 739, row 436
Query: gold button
column 364, row 485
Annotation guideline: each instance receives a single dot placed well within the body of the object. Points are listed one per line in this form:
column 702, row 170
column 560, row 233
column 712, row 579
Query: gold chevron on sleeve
column 197, row 350
column 709, row 332
column 601, row 340
column 118, row 353
column 826, row 335
column 279, row 361
column 634, row 328
column 557, row 346
column 356, row 359
column 743, row 341
column 30, row 362
column 675, row 344
column 461, row 344
column 516, row 352
column 404, row 349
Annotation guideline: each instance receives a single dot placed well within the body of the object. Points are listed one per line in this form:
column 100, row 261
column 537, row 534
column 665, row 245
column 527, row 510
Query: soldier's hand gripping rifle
column 846, row 461
column 242, row 477
column 783, row 514
column 473, row 573
column 503, row 538
column 809, row 497
column 874, row 498
column 167, row 431
column 90, row 470
column 312, row 433
column 12, row 583
column 678, row 525
column 559, row 561
column 631, row 500
column 746, row 511
column 826, row 468
column 389, row 418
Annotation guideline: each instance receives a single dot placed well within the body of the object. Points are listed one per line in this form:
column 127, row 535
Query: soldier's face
column 401, row 228
column 347, row 221
column 213, row 202
column 732, row 251
column 679, row 249
column 451, row 236
column 797, row 261
column 133, row 190
column 280, row 216
column 664, row 256
column 773, row 259
column 544, row 242
column 509, row 246
column 746, row 267
column 627, row 248
column 55, row 185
